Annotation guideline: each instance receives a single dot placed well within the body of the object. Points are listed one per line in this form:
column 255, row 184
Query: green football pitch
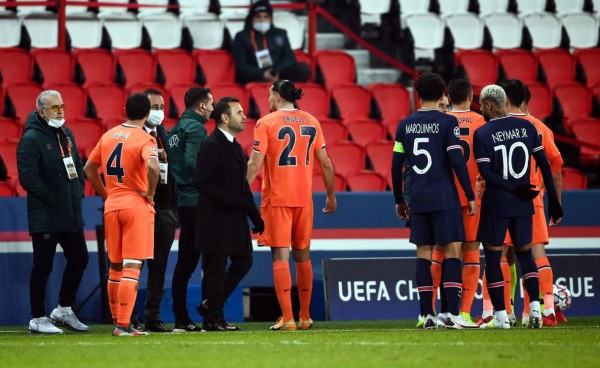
column 328, row 344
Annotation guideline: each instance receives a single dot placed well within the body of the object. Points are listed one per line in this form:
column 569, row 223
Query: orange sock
column 437, row 258
column 283, row 287
column 470, row 279
column 507, row 284
column 127, row 294
column 488, row 307
column 304, row 280
column 112, row 289
column 546, row 282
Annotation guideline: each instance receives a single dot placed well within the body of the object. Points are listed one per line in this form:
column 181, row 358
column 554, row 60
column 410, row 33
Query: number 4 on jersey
column 113, row 165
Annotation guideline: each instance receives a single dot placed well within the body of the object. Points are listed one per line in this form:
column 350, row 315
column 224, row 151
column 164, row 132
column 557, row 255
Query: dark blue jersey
column 429, row 141
column 503, row 149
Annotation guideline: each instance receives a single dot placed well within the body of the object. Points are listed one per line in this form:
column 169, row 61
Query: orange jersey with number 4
column 468, row 122
column 122, row 153
column 288, row 140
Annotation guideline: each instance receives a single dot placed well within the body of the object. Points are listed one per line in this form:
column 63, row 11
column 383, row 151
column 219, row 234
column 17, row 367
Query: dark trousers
column 219, row 281
column 299, row 72
column 165, row 224
column 187, row 260
column 44, row 249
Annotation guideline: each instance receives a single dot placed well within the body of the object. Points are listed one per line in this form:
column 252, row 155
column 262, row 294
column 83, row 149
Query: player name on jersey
column 422, row 128
column 294, row 119
column 505, row 135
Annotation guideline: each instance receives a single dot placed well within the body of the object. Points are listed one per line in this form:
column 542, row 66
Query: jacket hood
column 34, row 121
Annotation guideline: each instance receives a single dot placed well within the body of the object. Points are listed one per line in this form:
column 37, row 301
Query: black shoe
column 188, row 326
column 219, row 325
column 136, row 325
column 157, row 326
column 203, row 310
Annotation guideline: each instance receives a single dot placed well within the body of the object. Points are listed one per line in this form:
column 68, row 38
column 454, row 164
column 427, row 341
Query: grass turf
column 328, row 344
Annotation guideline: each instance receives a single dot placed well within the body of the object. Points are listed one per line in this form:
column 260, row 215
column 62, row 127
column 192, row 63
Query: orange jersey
column 122, row 153
column 468, row 122
column 552, row 152
column 288, row 140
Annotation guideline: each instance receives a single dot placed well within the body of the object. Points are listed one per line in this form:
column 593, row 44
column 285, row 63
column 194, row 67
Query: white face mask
column 262, row 27
column 156, row 117
column 56, row 123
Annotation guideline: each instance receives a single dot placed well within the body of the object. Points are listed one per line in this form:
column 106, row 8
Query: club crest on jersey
column 457, row 132
column 256, row 143
column 153, row 150
column 280, row 41
column 174, row 141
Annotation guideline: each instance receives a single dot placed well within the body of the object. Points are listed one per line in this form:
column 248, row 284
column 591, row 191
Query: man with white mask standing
column 51, row 172
column 263, row 53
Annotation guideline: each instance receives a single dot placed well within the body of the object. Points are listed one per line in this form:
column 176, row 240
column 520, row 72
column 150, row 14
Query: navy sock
column 530, row 274
column 443, row 296
column 495, row 281
column 452, row 281
column 425, row 285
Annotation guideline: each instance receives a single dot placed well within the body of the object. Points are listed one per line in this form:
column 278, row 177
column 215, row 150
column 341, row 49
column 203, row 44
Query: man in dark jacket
column 185, row 139
column 225, row 204
column 51, row 172
column 263, row 53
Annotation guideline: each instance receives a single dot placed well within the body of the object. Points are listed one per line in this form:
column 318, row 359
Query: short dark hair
column 222, row 107
column 137, row 106
column 152, row 91
column 527, row 94
column 194, row 96
column 430, row 86
column 515, row 91
column 288, row 90
column 459, row 90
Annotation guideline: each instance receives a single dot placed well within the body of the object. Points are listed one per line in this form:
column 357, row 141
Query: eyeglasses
column 56, row 108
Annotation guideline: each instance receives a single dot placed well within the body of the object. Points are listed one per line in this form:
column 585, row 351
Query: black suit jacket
column 225, row 201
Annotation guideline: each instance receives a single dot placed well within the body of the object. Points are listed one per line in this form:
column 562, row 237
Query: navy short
column 492, row 230
column 439, row 227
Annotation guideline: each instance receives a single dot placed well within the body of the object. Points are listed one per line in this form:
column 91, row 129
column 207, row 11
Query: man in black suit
column 224, row 206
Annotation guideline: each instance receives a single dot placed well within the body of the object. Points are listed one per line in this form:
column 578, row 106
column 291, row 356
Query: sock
column 453, row 284
column 546, row 282
column 526, row 300
column 425, row 285
column 507, row 284
column 443, row 296
column 304, row 280
column 488, row 307
column 283, row 287
column 470, row 279
column 513, row 282
column 495, row 282
column 530, row 278
column 127, row 294
column 437, row 257
column 112, row 288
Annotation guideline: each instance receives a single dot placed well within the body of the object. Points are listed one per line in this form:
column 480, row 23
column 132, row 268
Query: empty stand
column 352, row 100
column 428, row 33
column 487, row 7
column 453, row 7
column 217, row 66
column 348, row 158
column 104, row 10
column 588, row 59
column 74, row 97
column 337, row 67
column 366, row 181
column 85, row 30
column 564, row 7
column 10, row 29
column 371, row 10
column 573, row 179
column 124, row 29
column 207, row 34
column 87, row 133
column 138, row 66
column 339, row 183
column 315, row 100
column 234, row 8
column 190, row 7
column 409, row 7
column 527, row 7
column 333, row 131
column 293, row 25
column 259, row 93
column 177, row 97
column 232, row 90
column 164, row 30
column 575, row 100
column 10, row 129
column 545, row 30
column 108, row 101
column 303, row 57
column 97, row 66
column 380, row 155
column 23, row 97
column 588, row 131
column 42, row 29
column 55, row 65
column 519, row 64
column 558, row 66
column 16, row 66
column 540, row 104
column 178, row 67
column 8, row 151
column 467, row 30
column 481, row 67
column 580, row 28
column 143, row 12
column 365, row 131
column 506, row 30
column 392, row 99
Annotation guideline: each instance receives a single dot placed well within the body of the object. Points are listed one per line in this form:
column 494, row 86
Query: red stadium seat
column 366, row 181
column 337, row 67
column 303, row 57
column 10, row 129
column 333, row 131
column 138, row 66
column 178, row 67
column 23, row 96
column 6, row 189
column 596, row 92
column 573, row 179
column 98, row 66
column 256, row 185
column 87, row 133
column 177, row 97
column 315, row 100
column 259, row 93
column 519, row 64
column 353, row 101
column 217, row 66
column 74, row 97
column 219, row 91
column 588, row 59
column 109, row 101
column 558, row 66
column 380, row 155
column 391, row 127
column 575, row 100
column 339, row 183
column 16, row 66
column 8, row 151
column 138, row 88
column 246, row 137
column 540, row 104
column 56, row 66
column 169, row 123
column 393, row 100
column 588, row 131
column 481, row 67
column 348, row 158
column 365, row 131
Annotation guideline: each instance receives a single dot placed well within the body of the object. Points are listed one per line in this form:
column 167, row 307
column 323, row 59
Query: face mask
column 156, row 117
column 56, row 123
column 262, row 27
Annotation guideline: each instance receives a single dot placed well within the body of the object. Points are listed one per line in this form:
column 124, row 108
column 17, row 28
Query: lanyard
column 62, row 152
column 253, row 40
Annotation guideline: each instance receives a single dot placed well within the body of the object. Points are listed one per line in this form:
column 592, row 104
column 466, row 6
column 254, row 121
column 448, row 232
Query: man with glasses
column 51, row 172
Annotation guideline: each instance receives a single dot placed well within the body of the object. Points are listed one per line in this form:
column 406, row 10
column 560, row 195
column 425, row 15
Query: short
column 439, row 227
column 129, row 234
column 492, row 230
column 540, row 228
column 471, row 224
column 286, row 227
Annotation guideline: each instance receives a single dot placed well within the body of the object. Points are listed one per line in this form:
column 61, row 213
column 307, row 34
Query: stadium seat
column 74, row 97
column 256, row 185
column 8, row 151
column 304, row 57
column 337, row 67
column 193, row 7
column 519, row 64
column 545, row 30
column 371, row 10
column 481, row 67
column 207, row 34
column 178, row 67
column 85, row 30
column 588, row 131
column 16, row 66
column 540, row 104
column 169, row 123
column 366, row 181
column 293, row 25
column 246, row 137
column 87, row 133
column 234, row 26
column 487, row 7
column 573, row 179
column 77, row 10
column 55, row 65
column 42, row 29
column 177, row 94
column 527, row 7
column 108, row 101
column 333, row 131
column 575, row 100
column 141, row 87
column 339, row 183
column 143, row 12
column 365, row 131
column 348, row 158
column 10, row 29
column 315, row 100
column 558, row 66
column 10, row 129
column 124, row 29
column 392, row 99
column 588, row 59
column 259, row 93
column 428, row 33
column 380, row 155
column 164, row 30
column 23, row 97
column 453, row 7
column 104, row 10
column 352, row 100
column 138, row 66
column 506, row 30
column 6, row 189
column 565, row 7
column 232, row 90
column 410, row 7
column 466, row 29
column 217, row 66
column 97, row 66
column 580, row 28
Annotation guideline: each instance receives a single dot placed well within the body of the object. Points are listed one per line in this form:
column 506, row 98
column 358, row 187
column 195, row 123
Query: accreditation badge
column 164, row 170
column 263, row 58
column 70, row 167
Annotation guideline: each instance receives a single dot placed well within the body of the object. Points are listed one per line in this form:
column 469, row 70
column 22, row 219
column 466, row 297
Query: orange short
column 286, row 226
column 471, row 224
column 540, row 228
column 129, row 234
